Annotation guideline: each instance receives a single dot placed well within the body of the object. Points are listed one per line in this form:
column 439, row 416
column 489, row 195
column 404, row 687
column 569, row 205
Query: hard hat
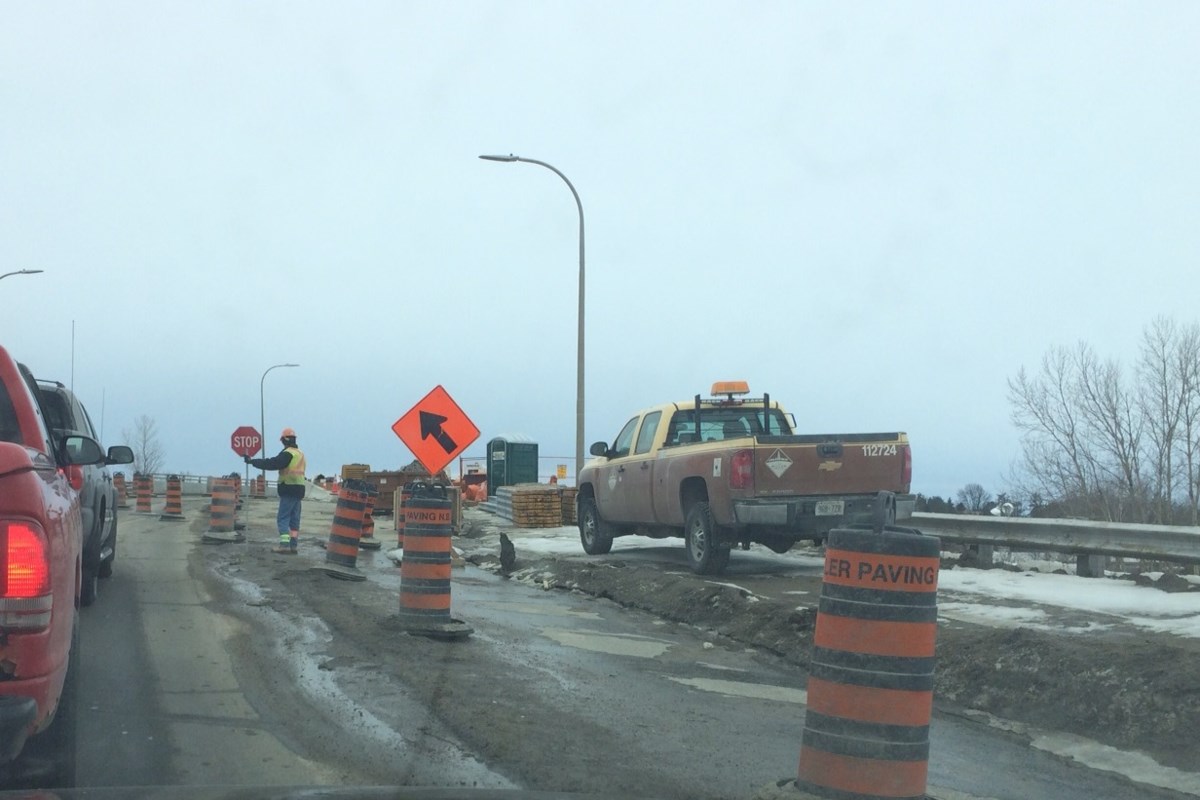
column 288, row 433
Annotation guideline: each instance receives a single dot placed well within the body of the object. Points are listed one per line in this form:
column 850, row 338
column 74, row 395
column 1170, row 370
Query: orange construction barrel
column 221, row 517
column 870, row 685
column 425, row 569
column 341, row 551
column 122, row 490
column 144, row 487
column 174, row 507
column 368, row 540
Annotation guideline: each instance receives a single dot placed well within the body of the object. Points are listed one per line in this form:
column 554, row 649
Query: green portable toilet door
column 522, row 463
column 497, row 465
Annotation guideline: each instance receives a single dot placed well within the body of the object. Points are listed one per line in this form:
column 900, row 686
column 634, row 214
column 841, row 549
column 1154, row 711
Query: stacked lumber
column 568, row 504
column 355, row 472
column 536, row 506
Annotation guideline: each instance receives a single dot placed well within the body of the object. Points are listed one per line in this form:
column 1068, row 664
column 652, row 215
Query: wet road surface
column 239, row 682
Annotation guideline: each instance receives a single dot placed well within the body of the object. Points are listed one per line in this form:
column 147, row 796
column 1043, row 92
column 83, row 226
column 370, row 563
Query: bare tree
column 1162, row 399
column 1057, row 461
column 974, row 497
column 1186, row 372
column 1081, row 435
column 1114, row 427
column 147, row 452
column 1096, row 445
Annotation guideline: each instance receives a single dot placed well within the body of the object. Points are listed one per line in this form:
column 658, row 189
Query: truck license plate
column 831, row 508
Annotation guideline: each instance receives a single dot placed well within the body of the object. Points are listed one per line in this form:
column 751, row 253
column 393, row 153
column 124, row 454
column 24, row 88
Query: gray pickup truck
column 66, row 417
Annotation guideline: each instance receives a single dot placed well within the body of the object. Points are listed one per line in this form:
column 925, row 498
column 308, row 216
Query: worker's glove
column 246, row 459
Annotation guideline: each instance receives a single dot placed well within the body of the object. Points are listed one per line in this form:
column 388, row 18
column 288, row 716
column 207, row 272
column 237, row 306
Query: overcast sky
column 875, row 212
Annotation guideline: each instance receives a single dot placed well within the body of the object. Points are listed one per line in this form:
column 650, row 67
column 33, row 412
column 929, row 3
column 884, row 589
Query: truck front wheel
column 705, row 554
column 593, row 532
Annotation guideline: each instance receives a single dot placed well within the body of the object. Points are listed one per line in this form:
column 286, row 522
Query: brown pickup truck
column 731, row 471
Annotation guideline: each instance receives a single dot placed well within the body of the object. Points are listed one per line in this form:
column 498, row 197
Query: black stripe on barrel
column 870, row 688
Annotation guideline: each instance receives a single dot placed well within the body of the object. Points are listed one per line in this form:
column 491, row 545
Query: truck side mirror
column 599, row 449
column 120, row 454
column 80, row 451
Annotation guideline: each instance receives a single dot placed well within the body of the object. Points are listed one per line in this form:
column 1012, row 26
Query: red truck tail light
column 741, row 470
column 906, row 470
column 25, row 592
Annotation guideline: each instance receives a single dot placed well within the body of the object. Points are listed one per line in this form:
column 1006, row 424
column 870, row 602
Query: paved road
column 162, row 703
column 229, row 665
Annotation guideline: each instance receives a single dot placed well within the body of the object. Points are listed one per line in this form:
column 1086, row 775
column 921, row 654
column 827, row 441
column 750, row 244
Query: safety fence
column 561, row 468
column 196, row 484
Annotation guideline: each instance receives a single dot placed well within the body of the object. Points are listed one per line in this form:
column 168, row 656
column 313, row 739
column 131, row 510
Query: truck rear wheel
column 704, row 551
column 593, row 532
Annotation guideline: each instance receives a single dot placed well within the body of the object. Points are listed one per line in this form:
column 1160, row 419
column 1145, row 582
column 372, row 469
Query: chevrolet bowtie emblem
column 829, row 466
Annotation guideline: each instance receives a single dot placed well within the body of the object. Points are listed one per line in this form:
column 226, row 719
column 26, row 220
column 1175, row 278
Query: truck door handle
column 621, row 468
column 645, row 465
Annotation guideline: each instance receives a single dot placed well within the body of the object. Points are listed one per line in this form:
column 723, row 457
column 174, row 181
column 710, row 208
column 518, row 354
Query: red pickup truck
column 727, row 471
column 40, row 567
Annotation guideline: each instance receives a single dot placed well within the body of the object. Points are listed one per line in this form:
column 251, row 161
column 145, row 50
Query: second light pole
column 262, row 414
column 579, row 354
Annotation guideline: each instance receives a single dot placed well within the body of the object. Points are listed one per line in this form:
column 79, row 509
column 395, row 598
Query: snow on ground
column 967, row 595
column 1142, row 606
column 565, row 541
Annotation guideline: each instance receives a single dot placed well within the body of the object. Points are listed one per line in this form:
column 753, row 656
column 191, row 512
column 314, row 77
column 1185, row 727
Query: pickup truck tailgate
column 830, row 464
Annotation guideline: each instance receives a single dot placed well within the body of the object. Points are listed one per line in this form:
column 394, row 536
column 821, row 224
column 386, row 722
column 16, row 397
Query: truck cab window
column 624, row 439
column 10, row 430
column 646, row 434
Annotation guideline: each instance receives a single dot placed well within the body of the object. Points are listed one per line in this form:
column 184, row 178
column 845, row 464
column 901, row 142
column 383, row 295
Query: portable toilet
column 511, row 460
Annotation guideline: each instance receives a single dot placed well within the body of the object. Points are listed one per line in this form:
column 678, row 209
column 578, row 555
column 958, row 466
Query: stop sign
column 245, row 441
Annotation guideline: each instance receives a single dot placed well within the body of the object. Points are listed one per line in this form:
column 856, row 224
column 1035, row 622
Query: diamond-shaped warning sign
column 436, row 430
column 778, row 462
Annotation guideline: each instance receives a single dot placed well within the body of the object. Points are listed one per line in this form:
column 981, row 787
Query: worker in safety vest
column 290, row 463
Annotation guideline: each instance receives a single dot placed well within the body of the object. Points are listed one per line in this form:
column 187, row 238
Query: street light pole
column 22, row 272
column 579, row 333
column 262, row 414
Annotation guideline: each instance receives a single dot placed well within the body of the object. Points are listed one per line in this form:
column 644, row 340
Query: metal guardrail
column 1173, row 543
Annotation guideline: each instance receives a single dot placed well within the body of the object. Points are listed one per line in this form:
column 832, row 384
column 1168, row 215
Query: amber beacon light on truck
column 729, row 389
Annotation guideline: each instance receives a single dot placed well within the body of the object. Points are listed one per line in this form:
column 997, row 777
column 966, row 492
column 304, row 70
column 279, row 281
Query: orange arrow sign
column 436, row 430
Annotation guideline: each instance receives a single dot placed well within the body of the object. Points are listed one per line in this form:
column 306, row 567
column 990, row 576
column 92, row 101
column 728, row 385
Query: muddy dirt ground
column 1122, row 687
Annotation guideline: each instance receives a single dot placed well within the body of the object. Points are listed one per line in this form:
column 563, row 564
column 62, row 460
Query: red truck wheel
column 704, row 551
column 593, row 531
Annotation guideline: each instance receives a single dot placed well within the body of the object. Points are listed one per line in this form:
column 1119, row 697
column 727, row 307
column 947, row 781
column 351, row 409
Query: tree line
column 1102, row 440
column 974, row 499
